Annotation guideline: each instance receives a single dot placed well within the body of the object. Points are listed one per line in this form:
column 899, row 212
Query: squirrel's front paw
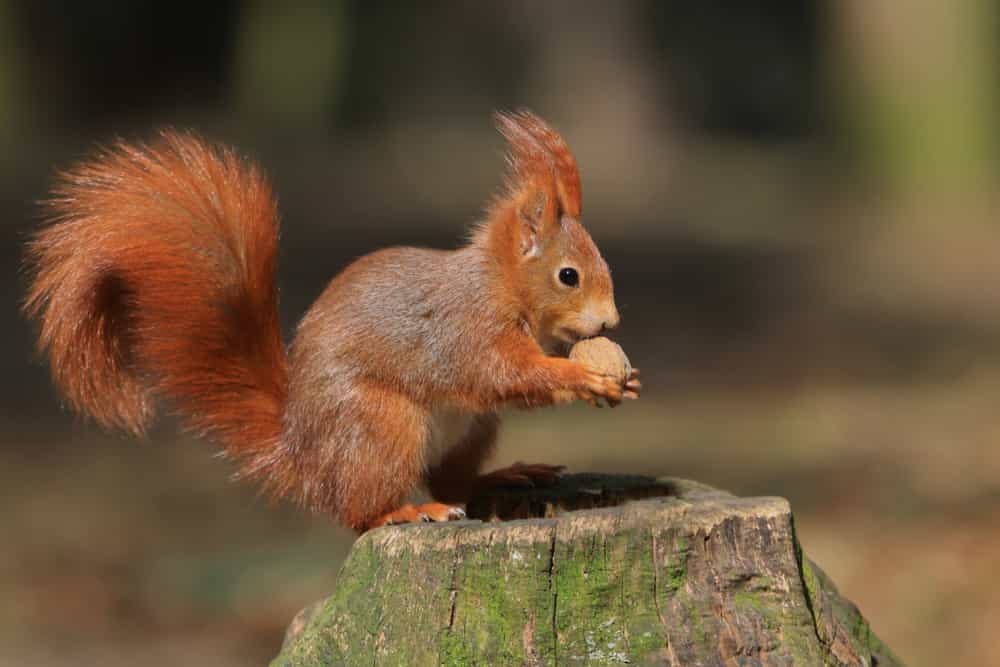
column 597, row 385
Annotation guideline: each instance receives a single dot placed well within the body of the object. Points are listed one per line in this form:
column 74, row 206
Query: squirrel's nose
column 611, row 322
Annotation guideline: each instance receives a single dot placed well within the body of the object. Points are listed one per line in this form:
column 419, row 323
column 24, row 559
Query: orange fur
column 156, row 280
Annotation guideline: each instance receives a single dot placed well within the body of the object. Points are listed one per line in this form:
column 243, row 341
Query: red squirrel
column 156, row 280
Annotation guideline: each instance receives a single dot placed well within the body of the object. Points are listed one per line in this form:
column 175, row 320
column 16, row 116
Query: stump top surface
column 580, row 505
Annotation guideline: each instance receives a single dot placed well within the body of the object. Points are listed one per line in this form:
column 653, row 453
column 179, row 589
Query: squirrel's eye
column 568, row 276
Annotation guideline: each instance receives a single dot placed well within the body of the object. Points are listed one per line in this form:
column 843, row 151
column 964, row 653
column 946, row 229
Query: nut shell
column 603, row 354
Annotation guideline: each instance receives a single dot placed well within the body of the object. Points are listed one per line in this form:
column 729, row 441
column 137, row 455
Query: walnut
column 604, row 355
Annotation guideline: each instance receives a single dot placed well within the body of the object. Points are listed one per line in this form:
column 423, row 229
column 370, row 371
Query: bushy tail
column 156, row 279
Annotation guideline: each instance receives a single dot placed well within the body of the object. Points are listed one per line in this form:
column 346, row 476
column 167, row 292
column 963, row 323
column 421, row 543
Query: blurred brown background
column 798, row 201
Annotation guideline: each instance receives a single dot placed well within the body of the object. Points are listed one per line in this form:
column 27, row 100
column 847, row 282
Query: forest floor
column 123, row 552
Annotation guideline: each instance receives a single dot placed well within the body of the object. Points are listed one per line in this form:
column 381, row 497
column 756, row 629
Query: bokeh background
column 798, row 200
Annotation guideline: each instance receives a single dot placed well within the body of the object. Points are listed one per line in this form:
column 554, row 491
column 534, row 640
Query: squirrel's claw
column 632, row 390
column 632, row 385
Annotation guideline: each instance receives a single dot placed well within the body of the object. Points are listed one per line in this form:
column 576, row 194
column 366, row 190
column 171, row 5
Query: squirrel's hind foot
column 420, row 513
column 523, row 475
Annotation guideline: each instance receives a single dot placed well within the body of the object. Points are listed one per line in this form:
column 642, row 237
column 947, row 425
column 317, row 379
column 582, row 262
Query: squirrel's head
column 561, row 282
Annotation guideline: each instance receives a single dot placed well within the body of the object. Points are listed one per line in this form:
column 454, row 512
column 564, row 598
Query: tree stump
column 688, row 575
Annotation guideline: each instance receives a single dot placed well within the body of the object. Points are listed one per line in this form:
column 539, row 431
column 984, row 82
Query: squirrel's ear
column 542, row 184
column 535, row 229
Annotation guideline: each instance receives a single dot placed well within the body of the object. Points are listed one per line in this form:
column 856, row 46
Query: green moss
column 452, row 650
column 809, row 579
column 646, row 642
column 811, row 585
column 489, row 608
column 588, row 608
column 748, row 599
column 769, row 614
column 640, row 620
column 677, row 565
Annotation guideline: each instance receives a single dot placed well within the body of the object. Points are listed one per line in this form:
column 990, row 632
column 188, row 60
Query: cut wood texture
column 683, row 575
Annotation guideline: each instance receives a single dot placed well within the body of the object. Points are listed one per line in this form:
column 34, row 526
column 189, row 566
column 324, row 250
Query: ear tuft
column 540, row 156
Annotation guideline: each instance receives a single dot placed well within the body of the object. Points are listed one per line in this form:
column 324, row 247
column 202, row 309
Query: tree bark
column 693, row 576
